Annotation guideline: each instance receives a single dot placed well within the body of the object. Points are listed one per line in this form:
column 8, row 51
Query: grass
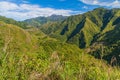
column 34, row 57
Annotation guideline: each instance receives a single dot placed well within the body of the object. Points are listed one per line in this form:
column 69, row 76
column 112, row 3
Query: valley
column 79, row 47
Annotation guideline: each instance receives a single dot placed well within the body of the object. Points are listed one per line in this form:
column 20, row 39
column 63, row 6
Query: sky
column 25, row 9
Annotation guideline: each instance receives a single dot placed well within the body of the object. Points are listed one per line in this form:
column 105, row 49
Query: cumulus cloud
column 25, row 11
column 107, row 3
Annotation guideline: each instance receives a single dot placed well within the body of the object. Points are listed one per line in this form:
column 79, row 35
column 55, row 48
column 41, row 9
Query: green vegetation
column 59, row 50
column 39, row 21
column 94, row 29
column 25, row 58
column 11, row 21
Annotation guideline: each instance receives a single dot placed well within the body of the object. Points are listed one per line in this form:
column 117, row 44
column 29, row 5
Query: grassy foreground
column 26, row 56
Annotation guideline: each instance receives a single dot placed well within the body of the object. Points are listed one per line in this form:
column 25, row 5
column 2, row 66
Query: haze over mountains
column 78, row 47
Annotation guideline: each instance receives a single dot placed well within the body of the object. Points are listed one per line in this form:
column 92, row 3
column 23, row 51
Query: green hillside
column 110, row 41
column 32, row 55
column 12, row 21
column 93, row 29
column 81, row 47
column 82, row 29
column 39, row 21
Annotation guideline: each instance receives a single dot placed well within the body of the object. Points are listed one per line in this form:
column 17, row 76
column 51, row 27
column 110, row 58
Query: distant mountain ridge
column 49, row 52
column 38, row 21
column 97, row 28
column 14, row 22
column 89, row 25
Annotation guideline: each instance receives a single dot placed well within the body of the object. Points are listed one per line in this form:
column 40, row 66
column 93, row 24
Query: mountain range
column 38, row 21
column 91, row 30
column 78, row 47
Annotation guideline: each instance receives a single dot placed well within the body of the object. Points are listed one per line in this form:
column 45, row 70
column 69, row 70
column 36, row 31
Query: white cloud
column 26, row 11
column 85, row 7
column 107, row 3
column 95, row 2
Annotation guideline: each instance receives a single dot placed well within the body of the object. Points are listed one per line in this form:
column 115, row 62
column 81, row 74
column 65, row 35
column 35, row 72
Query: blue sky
column 25, row 9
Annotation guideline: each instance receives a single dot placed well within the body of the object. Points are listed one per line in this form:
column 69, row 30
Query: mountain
column 62, row 50
column 109, row 41
column 31, row 55
column 15, row 39
column 91, row 29
column 84, row 27
column 12, row 21
column 38, row 21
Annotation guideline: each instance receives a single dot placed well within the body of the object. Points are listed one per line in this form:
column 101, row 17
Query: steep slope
column 15, row 39
column 38, row 21
column 84, row 29
column 12, row 21
column 86, row 34
column 109, row 41
column 97, row 29
column 34, row 56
